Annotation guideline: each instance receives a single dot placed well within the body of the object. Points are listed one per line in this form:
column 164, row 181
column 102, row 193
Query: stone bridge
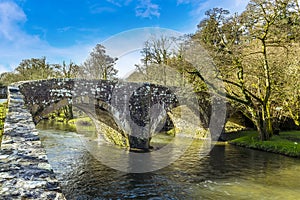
column 133, row 112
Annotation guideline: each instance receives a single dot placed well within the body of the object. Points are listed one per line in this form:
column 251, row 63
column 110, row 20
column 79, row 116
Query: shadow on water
column 227, row 172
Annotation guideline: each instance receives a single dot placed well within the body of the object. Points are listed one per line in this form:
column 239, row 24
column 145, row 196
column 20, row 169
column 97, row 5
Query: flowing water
column 227, row 172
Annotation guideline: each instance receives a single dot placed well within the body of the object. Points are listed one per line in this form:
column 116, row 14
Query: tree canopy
column 99, row 65
column 256, row 55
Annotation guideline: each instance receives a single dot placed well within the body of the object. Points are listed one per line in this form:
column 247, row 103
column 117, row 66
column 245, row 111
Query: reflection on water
column 228, row 172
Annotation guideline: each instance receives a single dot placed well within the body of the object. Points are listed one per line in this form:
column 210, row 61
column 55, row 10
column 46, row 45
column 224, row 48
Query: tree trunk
column 268, row 120
column 263, row 123
column 260, row 125
column 68, row 112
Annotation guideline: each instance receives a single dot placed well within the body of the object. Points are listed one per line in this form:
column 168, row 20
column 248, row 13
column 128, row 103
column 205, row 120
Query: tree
column 157, row 53
column 29, row 69
column 35, row 68
column 7, row 78
column 162, row 62
column 99, row 65
column 244, row 49
column 70, row 70
column 288, row 56
column 289, row 92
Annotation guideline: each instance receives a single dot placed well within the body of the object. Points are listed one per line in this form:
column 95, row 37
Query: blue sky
column 69, row 29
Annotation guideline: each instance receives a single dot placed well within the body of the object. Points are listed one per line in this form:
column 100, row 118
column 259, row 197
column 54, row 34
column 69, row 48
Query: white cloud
column 241, row 2
column 2, row 69
column 119, row 3
column 17, row 45
column 126, row 63
column 199, row 8
column 10, row 16
column 144, row 8
column 96, row 9
column 147, row 9
column 64, row 29
column 127, row 46
column 184, row 1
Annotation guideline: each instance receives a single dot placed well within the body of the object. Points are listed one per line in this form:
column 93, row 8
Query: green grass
column 287, row 143
column 82, row 123
column 3, row 111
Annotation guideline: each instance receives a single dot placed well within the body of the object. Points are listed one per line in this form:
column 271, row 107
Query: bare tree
column 99, row 65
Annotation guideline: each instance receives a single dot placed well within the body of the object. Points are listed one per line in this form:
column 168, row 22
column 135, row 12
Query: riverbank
column 287, row 143
column 82, row 123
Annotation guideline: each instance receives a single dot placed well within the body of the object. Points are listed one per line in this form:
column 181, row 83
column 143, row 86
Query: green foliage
column 287, row 143
column 163, row 63
column 255, row 53
column 63, row 114
column 3, row 111
column 82, row 121
column 35, row 68
column 251, row 52
column 38, row 68
column 85, row 124
column 171, row 132
column 70, row 70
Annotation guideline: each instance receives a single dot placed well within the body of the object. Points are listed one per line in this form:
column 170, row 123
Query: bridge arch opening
column 100, row 113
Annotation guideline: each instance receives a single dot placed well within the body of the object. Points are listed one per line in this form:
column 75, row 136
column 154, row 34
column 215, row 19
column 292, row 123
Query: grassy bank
column 82, row 123
column 3, row 110
column 287, row 143
column 74, row 125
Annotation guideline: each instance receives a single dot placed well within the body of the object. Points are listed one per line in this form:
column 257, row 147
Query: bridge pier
column 141, row 144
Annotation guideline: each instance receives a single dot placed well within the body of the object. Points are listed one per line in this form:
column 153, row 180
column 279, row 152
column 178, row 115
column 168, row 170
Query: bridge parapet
column 25, row 172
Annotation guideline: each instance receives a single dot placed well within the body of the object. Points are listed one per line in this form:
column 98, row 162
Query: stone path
column 24, row 169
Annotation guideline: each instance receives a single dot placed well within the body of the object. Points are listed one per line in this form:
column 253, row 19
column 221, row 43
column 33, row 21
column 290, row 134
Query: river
column 227, row 172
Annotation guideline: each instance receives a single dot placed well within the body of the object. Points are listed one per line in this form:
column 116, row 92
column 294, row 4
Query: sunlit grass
column 287, row 143
column 3, row 110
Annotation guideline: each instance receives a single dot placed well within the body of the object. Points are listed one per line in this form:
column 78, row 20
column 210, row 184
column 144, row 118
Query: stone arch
column 91, row 96
column 102, row 114
column 180, row 112
column 106, row 120
column 39, row 112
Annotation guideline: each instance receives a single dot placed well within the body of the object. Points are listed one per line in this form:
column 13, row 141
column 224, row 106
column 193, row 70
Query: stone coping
column 25, row 172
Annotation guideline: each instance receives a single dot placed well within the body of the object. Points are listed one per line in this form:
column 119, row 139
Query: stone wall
column 24, row 169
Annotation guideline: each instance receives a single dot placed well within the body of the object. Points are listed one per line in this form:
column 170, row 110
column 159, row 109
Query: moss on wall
column 3, row 111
